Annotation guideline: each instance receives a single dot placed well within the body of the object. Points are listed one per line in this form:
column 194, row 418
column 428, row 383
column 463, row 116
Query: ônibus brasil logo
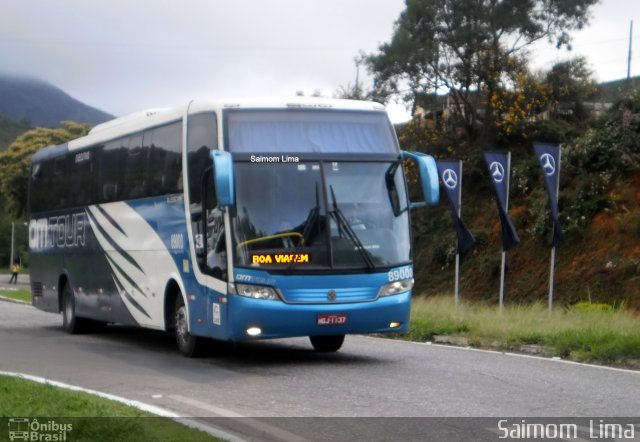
column 33, row 430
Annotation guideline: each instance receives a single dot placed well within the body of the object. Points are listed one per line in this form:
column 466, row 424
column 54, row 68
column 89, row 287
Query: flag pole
column 499, row 164
column 504, row 259
column 551, row 276
column 457, row 283
column 13, row 243
column 552, row 268
column 504, row 253
column 457, row 276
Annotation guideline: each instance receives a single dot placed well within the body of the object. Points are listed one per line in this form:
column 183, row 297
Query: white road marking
column 218, row 411
column 132, row 403
column 279, row 433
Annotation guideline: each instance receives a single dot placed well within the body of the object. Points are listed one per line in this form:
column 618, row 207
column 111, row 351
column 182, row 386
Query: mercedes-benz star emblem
column 548, row 164
column 497, row 171
column 450, row 178
column 331, row 295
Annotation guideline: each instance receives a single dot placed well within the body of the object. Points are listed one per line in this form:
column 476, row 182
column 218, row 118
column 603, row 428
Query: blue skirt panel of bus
column 276, row 319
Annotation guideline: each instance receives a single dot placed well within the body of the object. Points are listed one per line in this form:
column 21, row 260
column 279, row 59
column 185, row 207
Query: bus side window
column 109, row 171
column 202, row 138
column 37, row 188
column 136, row 164
column 60, row 182
column 166, row 159
column 83, row 165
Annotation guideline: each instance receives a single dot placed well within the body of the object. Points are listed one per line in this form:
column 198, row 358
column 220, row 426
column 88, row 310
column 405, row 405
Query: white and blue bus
column 229, row 220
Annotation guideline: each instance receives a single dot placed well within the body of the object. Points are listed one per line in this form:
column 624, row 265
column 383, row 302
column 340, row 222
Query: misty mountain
column 39, row 103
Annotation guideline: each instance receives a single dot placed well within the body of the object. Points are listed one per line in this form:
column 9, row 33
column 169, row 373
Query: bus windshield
column 320, row 215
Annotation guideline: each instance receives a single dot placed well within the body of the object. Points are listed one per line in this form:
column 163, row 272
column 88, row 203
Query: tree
column 357, row 91
column 469, row 48
column 15, row 161
column 10, row 129
column 524, row 101
column 571, row 83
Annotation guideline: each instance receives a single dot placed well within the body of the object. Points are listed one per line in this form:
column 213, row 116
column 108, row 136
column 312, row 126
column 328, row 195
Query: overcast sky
column 126, row 55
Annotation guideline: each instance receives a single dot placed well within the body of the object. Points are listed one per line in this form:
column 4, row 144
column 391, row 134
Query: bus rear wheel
column 189, row 345
column 327, row 343
column 70, row 322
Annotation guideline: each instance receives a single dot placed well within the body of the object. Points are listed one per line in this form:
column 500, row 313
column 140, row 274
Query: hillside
column 600, row 263
column 9, row 131
column 610, row 91
column 600, row 215
column 42, row 104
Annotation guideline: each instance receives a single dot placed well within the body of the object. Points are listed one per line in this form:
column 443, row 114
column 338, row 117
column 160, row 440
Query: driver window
column 214, row 244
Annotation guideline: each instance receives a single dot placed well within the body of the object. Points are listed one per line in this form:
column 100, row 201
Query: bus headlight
column 257, row 291
column 393, row 288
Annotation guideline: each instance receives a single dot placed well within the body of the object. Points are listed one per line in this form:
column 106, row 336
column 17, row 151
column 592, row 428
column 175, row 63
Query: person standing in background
column 15, row 269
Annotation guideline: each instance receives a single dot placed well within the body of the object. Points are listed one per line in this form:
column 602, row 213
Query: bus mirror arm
column 428, row 176
column 223, row 178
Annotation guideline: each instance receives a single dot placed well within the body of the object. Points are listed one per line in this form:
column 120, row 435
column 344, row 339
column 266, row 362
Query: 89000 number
column 400, row 274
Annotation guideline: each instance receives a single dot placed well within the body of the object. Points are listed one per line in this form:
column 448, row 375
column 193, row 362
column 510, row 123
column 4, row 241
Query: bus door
column 207, row 220
column 213, row 261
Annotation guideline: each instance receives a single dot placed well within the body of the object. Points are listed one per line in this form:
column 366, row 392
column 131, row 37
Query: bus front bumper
column 261, row 319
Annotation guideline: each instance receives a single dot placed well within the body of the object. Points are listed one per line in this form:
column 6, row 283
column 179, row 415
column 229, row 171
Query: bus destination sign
column 281, row 258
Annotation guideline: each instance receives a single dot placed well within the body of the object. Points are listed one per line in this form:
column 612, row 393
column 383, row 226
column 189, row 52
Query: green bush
column 552, row 131
column 613, row 145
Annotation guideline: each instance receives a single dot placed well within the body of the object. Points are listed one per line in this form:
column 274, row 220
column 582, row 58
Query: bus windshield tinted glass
column 318, row 131
column 320, row 215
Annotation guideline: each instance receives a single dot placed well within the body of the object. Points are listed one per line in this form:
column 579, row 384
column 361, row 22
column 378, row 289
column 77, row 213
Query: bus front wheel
column 327, row 343
column 190, row 346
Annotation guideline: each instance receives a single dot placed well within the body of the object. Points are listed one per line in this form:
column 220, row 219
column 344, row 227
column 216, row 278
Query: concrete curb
column 461, row 341
column 511, row 354
column 16, row 301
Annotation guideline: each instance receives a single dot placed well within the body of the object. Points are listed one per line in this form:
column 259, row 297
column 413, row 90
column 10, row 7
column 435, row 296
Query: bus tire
column 190, row 346
column 70, row 321
column 327, row 343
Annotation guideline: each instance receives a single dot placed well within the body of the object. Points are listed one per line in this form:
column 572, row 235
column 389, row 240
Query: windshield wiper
column 309, row 224
column 342, row 220
column 312, row 219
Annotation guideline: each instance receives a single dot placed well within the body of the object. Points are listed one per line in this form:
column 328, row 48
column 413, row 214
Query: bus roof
column 145, row 119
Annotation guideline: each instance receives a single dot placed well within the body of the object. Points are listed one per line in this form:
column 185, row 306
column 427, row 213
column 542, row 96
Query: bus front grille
column 329, row 295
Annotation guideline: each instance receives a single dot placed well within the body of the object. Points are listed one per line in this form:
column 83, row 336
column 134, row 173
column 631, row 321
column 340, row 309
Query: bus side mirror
column 428, row 172
column 223, row 178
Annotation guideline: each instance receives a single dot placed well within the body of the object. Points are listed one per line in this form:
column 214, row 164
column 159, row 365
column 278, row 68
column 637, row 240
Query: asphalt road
column 273, row 380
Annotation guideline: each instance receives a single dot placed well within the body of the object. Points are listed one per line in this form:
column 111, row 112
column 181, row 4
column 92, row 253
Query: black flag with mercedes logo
column 450, row 172
column 548, row 156
column 499, row 164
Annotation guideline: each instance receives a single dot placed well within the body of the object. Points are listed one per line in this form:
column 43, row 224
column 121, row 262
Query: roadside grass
column 585, row 332
column 17, row 294
column 92, row 418
column 7, row 271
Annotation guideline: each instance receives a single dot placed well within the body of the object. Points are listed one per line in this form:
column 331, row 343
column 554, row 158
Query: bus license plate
column 332, row 319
